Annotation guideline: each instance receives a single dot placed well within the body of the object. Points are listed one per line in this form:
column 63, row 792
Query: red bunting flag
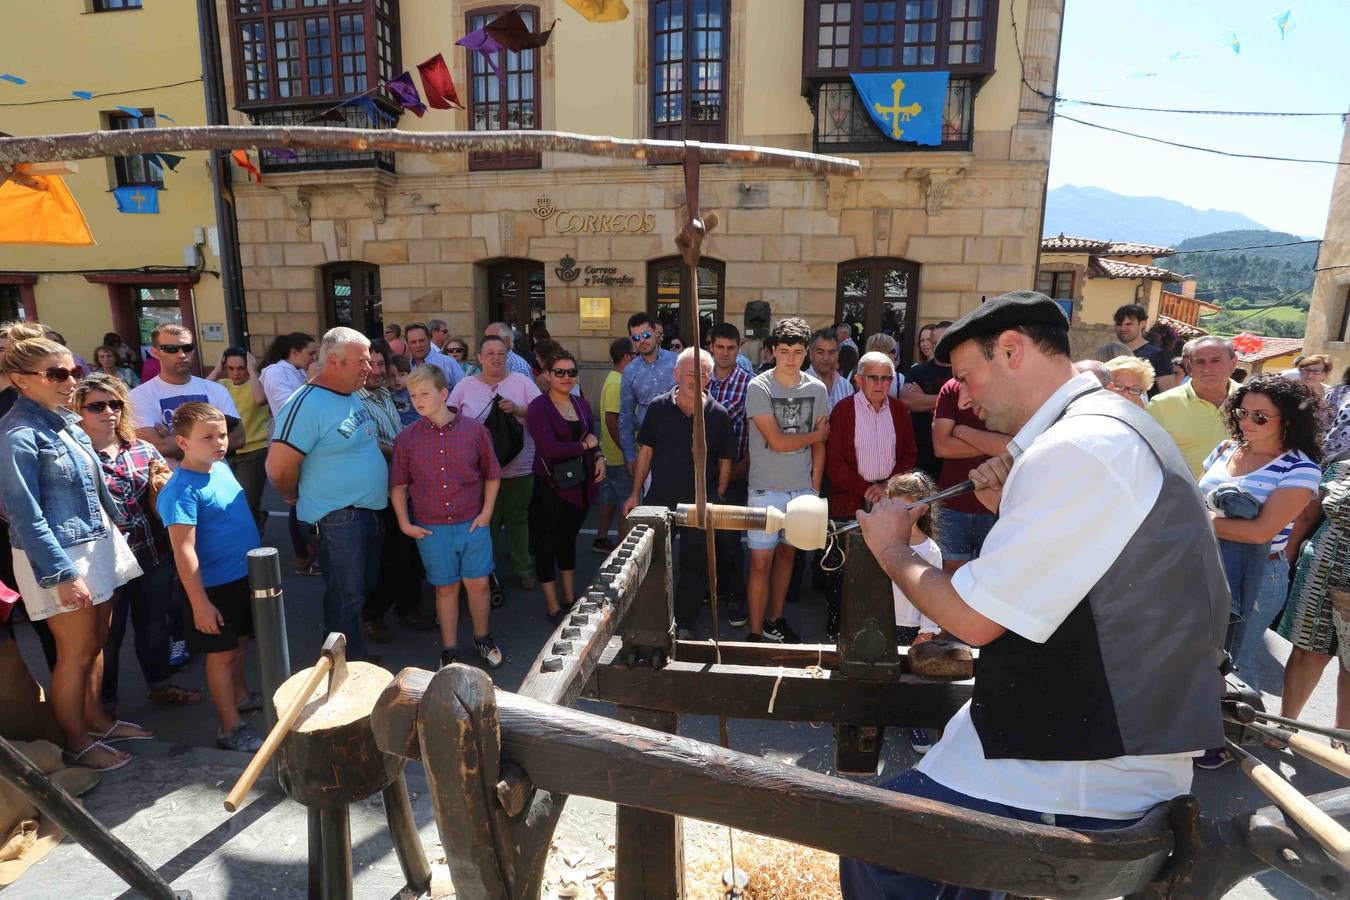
column 241, row 159
column 437, row 83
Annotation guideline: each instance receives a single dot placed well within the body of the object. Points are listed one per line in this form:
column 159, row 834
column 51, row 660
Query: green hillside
column 1258, row 276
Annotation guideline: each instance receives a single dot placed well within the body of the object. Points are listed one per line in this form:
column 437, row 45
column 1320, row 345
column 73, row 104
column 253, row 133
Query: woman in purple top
column 561, row 426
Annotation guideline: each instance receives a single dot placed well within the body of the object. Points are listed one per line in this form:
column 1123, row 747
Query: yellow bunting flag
column 46, row 214
column 600, row 10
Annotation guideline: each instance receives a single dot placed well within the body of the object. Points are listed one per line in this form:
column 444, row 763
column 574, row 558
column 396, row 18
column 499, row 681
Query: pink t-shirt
column 472, row 397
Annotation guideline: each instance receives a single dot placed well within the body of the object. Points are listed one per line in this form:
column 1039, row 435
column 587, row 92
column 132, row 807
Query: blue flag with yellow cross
column 906, row 106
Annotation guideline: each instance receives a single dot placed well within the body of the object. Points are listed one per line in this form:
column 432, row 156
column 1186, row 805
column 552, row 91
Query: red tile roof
column 1064, row 244
column 1129, row 248
column 1183, row 329
column 1105, row 267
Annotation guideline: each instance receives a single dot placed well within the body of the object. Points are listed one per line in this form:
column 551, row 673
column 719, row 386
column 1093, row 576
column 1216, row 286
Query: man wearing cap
column 1064, row 727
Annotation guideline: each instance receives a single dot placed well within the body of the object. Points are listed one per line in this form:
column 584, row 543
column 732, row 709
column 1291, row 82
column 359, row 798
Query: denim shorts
column 760, row 540
column 452, row 553
column 962, row 534
column 616, row 487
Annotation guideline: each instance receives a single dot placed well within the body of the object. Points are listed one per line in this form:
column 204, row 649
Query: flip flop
column 74, row 759
column 109, row 737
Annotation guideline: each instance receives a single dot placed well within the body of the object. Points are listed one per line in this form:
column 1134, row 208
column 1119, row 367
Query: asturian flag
column 906, row 106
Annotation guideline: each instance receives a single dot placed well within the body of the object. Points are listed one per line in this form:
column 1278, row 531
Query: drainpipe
column 227, row 226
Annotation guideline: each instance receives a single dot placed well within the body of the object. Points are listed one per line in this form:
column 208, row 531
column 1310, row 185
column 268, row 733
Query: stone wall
column 971, row 226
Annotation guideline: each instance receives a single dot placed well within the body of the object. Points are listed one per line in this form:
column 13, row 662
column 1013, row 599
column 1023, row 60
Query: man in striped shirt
column 514, row 361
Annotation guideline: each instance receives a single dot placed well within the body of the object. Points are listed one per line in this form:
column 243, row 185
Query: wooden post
column 649, row 627
column 335, row 834
column 403, row 829
column 648, row 846
column 867, row 649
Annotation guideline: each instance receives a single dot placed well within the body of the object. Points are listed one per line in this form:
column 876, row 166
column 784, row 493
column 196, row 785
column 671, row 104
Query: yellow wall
column 60, row 48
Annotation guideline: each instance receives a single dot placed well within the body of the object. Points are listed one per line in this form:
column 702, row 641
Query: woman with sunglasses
column 458, row 350
column 1272, row 455
column 130, row 467
column 69, row 558
column 1131, row 378
column 567, row 469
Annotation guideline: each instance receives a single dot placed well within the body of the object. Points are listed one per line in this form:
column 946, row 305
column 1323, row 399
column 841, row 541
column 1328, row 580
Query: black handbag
column 508, row 435
column 567, row 473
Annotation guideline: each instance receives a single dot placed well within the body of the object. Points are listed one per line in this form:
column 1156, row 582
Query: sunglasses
column 1122, row 389
column 458, row 351
column 177, row 348
column 644, row 336
column 99, row 406
column 1256, row 415
column 880, row 379
column 58, row 374
column 564, row 373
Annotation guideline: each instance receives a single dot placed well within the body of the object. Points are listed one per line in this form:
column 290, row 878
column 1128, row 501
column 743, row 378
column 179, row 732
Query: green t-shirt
column 609, row 403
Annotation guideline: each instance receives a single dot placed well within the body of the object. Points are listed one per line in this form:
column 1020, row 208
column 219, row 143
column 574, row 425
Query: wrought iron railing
column 842, row 124
column 315, row 160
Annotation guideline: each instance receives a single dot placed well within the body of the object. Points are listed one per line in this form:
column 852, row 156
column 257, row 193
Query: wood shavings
column 778, row 870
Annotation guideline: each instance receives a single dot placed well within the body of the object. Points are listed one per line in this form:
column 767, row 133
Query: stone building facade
column 923, row 234
column 1329, row 314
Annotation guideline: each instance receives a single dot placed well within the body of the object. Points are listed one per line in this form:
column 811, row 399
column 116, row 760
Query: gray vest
column 1134, row 668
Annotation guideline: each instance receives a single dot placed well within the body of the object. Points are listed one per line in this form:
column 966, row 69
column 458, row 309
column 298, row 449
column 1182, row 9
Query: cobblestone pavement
column 167, row 805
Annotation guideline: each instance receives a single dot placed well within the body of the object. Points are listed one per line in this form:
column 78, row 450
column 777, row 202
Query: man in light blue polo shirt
column 325, row 457
column 648, row 376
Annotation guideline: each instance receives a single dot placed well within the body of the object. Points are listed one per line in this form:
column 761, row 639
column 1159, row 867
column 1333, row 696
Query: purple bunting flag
column 481, row 42
column 405, row 92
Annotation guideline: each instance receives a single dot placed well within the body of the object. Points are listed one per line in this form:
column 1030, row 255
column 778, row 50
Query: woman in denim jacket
column 68, row 559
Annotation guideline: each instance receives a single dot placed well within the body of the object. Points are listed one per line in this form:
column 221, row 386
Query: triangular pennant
column 437, row 83
column 241, row 159
column 329, row 115
column 512, row 33
column 281, row 153
column 83, row 95
column 49, row 216
column 13, row 79
column 132, row 111
column 166, row 117
column 405, row 92
column 480, row 41
column 600, row 10
column 165, row 160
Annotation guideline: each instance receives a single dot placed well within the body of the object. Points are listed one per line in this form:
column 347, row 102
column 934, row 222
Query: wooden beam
column 588, row 755
column 95, row 144
column 648, row 846
column 744, row 692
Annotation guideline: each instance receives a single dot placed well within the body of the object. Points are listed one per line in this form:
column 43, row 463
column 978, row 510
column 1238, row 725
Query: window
column 843, row 125
column 667, row 291
column 132, row 171
column 880, row 295
column 113, row 5
column 311, row 160
column 689, row 57
column 289, row 50
column 351, row 295
column 11, row 303
column 516, row 294
column 1058, row 286
column 862, row 35
column 1344, row 330
column 505, row 100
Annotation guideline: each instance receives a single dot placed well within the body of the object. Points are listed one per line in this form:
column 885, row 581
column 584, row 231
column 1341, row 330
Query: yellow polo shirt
column 1195, row 424
column 256, row 416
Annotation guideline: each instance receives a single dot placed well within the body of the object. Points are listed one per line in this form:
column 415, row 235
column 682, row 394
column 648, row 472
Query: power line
column 154, row 87
column 1195, row 112
column 1180, row 251
column 1158, row 140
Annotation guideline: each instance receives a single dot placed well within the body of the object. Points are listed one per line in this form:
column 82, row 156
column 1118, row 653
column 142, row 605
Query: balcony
column 842, row 124
column 321, row 160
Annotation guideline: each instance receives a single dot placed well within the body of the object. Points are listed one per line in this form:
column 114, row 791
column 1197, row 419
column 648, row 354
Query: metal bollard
column 269, row 625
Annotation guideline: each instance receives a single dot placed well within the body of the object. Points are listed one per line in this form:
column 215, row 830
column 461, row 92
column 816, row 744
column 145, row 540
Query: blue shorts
column 616, row 487
column 962, row 534
column 760, row 540
column 452, row 553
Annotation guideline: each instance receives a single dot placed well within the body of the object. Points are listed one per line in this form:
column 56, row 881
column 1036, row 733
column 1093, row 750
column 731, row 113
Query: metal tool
column 955, row 490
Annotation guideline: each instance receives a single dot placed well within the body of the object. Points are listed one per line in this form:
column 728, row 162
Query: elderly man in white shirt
column 1065, row 726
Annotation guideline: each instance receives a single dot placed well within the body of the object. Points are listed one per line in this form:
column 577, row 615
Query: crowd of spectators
column 132, row 493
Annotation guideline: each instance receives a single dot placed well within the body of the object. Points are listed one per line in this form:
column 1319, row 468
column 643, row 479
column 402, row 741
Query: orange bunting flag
column 600, row 10
column 47, row 214
column 241, row 159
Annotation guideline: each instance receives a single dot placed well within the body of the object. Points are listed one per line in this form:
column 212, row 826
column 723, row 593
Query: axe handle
column 285, row 722
column 1320, row 753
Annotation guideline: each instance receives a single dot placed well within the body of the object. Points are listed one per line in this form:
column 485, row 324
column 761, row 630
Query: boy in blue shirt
column 212, row 530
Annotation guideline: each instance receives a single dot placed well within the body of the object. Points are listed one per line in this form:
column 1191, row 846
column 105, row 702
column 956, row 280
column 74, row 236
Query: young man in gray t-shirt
column 787, row 458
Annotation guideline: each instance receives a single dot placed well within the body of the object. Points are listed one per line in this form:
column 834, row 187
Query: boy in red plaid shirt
column 443, row 486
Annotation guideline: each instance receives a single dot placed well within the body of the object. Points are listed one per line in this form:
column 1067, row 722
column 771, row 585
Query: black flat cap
column 998, row 314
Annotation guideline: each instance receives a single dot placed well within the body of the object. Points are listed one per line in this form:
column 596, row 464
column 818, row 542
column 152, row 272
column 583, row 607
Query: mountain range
column 1095, row 212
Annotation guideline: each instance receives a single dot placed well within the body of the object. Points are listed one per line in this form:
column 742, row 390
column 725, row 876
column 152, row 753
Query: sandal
column 75, row 758
column 173, row 695
column 109, row 737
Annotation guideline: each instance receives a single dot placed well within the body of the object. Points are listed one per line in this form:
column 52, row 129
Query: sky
column 1108, row 51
